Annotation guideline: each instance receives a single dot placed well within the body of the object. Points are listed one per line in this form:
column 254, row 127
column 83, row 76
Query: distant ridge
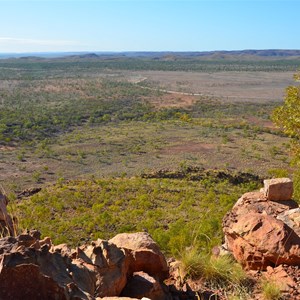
column 270, row 53
column 162, row 55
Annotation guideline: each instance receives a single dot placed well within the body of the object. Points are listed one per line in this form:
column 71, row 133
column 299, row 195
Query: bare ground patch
column 231, row 86
column 189, row 147
column 173, row 100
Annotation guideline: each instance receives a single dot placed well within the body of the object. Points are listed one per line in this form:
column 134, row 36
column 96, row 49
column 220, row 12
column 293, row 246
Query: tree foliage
column 287, row 117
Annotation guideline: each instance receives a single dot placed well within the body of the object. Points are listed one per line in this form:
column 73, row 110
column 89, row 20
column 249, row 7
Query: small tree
column 287, row 117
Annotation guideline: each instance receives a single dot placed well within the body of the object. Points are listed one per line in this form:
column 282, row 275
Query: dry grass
column 130, row 148
column 230, row 86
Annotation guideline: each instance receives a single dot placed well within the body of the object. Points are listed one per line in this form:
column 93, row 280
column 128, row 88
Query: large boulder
column 34, row 269
column 259, row 240
column 262, row 233
column 257, row 202
column 111, row 266
column 31, row 268
column 144, row 254
column 26, row 281
column 30, row 273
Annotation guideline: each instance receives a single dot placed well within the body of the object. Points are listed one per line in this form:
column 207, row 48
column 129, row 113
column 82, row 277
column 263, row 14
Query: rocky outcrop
column 31, row 268
column 31, row 273
column 260, row 232
column 258, row 241
column 108, row 267
column 143, row 253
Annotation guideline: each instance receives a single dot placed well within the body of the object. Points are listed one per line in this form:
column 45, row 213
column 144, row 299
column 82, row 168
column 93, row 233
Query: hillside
column 94, row 146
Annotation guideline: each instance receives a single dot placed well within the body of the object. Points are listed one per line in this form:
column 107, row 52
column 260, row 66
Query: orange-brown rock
column 144, row 254
column 31, row 268
column 258, row 232
column 291, row 218
column 26, row 281
column 257, row 202
column 143, row 285
column 278, row 189
column 259, row 240
column 30, row 273
column 111, row 266
column 279, row 275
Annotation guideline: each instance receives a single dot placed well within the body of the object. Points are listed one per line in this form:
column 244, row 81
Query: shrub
column 193, row 262
column 296, row 180
column 278, row 173
column 217, row 270
column 270, row 290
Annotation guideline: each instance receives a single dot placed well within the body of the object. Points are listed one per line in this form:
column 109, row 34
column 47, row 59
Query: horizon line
column 149, row 51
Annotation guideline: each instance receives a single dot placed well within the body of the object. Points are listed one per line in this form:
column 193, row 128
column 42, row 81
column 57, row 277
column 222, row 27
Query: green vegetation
column 83, row 119
column 29, row 69
column 271, row 290
column 40, row 110
column 287, row 117
column 216, row 270
column 218, row 273
column 118, row 152
column 169, row 209
column 102, row 124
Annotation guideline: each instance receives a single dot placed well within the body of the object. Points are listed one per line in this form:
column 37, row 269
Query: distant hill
column 166, row 55
column 250, row 54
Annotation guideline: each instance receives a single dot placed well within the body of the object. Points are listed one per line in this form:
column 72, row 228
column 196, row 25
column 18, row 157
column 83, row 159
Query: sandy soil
column 231, row 86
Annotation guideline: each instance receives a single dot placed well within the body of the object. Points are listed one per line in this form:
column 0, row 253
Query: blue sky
column 157, row 25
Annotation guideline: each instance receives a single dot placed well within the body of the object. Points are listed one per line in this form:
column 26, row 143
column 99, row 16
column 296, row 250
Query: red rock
column 45, row 241
column 26, row 281
column 258, row 240
column 256, row 202
column 249, row 203
column 57, row 274
column 278, row 189
column 262, row 233
column 144, row 254
column 63, row 249
column 142, row 285
column 28, row 273
column 111, row 266
column 291, row 218
column 279, row 275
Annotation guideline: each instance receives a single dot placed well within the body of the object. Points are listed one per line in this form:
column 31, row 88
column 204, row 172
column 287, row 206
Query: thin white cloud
column 8, row 41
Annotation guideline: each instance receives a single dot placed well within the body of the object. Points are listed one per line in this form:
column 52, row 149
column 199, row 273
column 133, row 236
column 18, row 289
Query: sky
column 141, row 25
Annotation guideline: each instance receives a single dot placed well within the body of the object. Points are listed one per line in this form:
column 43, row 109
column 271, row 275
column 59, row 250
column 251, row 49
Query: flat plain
column 69, row 120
